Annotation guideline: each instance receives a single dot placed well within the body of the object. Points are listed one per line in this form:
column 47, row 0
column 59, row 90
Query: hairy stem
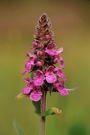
column 43, row 119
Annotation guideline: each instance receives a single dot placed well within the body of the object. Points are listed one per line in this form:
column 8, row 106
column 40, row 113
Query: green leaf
column 18, row 128
column 51, row 111
column 37, row 106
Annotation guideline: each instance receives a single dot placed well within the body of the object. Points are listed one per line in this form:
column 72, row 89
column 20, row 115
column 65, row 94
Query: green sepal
column 51, row 111
column 18, row 128
column 37, row 106
column 31, row 75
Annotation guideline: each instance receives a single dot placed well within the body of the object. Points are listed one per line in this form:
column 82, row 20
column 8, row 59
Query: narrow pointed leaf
column 18, row 128
column 20, row 96
column 37, row 106
column 51, row 111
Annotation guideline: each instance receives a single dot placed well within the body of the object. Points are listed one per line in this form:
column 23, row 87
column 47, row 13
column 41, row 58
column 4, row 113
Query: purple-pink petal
column 61, row 74
column 39, row 78
column 38, row 81
column 51, row 52
column 59, row 85
column 39, row 74
column 39, row 63
column 60, row 50
column 50, row 69
column 26, row 90
column 64, row 92
column 51, row 77
column 27, row 80
column 35, row 96
column 62, row 62
column 51, row 45
column 30, row 55
column 28, row 65
column 48, row 36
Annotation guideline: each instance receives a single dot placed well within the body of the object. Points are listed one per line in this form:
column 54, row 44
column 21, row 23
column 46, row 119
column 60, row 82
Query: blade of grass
column 18, row 128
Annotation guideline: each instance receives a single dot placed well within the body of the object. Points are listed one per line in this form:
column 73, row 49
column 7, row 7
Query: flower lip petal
column 51, row 52
column 38, row 82
column 60, row 50
column 35, row 96
column 59, row 85
column 64, row 92
column 39, row 78
column 60, row 73
column 28, row 65
column 51, row 77
column 26, row 90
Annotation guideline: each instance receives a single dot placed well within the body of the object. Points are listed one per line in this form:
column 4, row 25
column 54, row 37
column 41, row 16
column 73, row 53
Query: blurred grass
column 72, row 31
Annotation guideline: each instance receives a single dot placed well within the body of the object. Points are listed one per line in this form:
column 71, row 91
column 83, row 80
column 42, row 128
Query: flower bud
column 40, row 46
column 34, row 43
column 47, row 36
column 41, row 38
column 39, row 63
column 40, row 53
column 55, row 60
column 55, row 70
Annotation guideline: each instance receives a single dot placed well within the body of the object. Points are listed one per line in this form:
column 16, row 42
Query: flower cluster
column 47, row 77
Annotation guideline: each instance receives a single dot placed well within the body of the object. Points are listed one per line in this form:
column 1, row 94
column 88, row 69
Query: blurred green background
column 71, row 26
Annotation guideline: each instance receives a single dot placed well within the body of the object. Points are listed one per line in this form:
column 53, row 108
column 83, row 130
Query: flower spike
column 46, row 75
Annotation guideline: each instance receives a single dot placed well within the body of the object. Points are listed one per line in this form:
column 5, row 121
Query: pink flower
column 40, row 53
column 40, row 46
column 50, row 49
column 61, row 61
column 47, row 36
column 60, row 50
column 39, row 78
column 36, row 94
column 30, row 55
column 34, row 43
column 55, row 60
column 29, row 63
column 61, row 88
column 50, row 76
column 61, row 74
column 26, row 90
column 39, row 63
column 29, row 86
column 64, row 92
column 50, row 69
column 42, row 63
column 51, row 52
column 59, row 85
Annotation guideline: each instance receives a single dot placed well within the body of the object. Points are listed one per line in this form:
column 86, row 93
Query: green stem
column 43, row 119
